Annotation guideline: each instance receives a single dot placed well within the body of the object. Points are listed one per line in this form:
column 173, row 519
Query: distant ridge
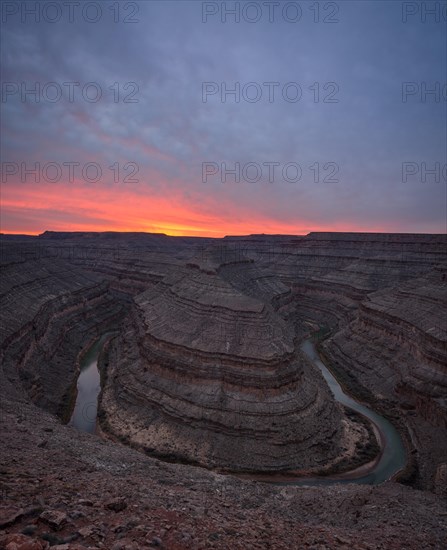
column 313, row 235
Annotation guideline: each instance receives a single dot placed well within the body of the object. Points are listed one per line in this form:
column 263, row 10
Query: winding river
column 88, row 388
column 393, row 456
column 391, row 461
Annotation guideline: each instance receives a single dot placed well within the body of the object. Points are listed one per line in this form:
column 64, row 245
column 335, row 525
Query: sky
column 224, row 118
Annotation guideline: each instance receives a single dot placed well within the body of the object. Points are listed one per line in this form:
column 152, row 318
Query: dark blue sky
column 357, row 142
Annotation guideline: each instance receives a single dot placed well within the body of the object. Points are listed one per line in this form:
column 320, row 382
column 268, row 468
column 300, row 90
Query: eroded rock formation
column 206, row 367
column 206, row 374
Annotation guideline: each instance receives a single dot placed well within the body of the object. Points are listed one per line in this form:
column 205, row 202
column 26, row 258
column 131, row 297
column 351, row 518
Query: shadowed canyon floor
column 204, row 367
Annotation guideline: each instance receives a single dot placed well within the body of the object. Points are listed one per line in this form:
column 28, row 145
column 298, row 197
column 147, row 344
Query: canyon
column 203, row 380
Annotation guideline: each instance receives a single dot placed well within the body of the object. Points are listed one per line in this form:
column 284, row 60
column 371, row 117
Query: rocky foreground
column 74, row 490
column 205, row 369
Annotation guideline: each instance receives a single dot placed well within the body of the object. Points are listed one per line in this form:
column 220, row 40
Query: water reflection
column 89, row 385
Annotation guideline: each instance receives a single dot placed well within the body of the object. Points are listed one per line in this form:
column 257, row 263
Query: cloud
column 169, row 132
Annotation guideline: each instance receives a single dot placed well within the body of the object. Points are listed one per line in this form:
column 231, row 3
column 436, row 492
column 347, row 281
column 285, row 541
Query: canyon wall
column 205, row 374
column 205, row 366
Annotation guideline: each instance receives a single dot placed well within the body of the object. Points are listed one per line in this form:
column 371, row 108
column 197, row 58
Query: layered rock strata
column 205, row 374
column 381, row 296
column 49, row 312
column 397, row 348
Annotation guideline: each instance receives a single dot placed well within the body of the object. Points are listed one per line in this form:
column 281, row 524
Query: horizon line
column 78, row 232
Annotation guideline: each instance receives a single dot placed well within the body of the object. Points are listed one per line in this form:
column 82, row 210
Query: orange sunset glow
column 58, row 207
